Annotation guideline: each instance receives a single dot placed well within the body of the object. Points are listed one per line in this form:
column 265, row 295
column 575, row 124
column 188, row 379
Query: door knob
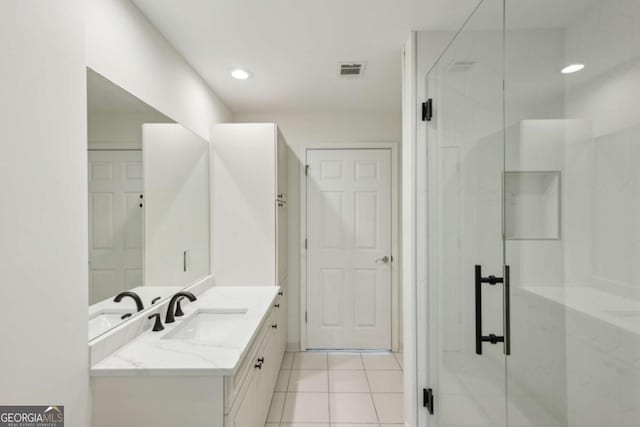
column 383, row 260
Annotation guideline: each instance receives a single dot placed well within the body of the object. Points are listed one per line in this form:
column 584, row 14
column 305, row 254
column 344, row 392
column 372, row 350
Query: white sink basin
column 104, row 320
column 211, row 326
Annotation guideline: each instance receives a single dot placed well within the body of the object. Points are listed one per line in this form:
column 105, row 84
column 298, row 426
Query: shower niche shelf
column 532, row 205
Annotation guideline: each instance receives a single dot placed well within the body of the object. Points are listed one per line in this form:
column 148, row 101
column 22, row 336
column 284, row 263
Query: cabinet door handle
column 274, row 326
column 276, row 305
column 280, row 293
column 260, row 362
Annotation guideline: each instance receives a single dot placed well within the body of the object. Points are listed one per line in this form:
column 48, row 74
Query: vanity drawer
column 233, row 385
column 253, row 399
column 282, row 316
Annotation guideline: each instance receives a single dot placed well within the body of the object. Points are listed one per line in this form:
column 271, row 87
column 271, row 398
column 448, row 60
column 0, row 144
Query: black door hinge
column 427, row 399
column 427, row 110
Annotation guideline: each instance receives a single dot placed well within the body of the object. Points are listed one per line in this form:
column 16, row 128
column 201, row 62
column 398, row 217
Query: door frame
column 395, row 228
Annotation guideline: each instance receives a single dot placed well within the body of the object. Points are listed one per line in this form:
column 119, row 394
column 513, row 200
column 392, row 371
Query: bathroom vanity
column 214, row 361
column 215, row 366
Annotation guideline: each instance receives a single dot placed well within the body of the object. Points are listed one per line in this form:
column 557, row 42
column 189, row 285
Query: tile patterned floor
column 318, row 389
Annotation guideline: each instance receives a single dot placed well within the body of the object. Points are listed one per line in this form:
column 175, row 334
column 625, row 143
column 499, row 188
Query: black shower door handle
column 506, row 291
column 493, row 338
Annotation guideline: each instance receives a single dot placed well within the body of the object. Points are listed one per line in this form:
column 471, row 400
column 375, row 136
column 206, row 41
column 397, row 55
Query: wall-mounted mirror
column 148, row 183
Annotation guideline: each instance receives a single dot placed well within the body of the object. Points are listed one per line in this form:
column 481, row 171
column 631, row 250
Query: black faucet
column 179, row 312
column 136, row 298
column 157, row 325
column 172, row 303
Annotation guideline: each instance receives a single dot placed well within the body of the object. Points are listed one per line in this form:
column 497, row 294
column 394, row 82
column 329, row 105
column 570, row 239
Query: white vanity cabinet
column 195, row 398
column 248, row 393
column 248, row 204
column 251, row 405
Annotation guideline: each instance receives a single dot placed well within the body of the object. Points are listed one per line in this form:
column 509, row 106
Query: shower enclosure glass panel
column 466, row 152
column 575, row 303
column 534, row 175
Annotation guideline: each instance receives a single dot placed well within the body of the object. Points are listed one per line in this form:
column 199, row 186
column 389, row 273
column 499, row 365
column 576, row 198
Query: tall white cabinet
column 248, row 173
column 248, row 205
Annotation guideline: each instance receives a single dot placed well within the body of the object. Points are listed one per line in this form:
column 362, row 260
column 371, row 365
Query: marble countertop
column 155, row 354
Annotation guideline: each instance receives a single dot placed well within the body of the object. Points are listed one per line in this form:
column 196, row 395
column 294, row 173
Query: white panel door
column 348, row 238
column 115, row 222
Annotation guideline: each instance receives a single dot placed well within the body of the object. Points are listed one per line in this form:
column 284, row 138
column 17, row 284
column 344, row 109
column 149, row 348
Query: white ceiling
column 292, row 47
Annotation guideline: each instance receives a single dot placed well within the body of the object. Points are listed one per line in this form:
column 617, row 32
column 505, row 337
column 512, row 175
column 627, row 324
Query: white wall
column 409, row 127
column 43, row 219
column 176, row 194
column 124, row 47
column 313, row 128
column 119, row 130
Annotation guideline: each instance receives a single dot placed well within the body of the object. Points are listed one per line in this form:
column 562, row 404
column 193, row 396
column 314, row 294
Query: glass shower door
column 466, row 166
column 572, row 206
column 532, row 161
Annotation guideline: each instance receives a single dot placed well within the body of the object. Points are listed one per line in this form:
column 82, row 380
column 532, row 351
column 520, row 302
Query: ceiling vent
column 351, row 69
column 461, row 66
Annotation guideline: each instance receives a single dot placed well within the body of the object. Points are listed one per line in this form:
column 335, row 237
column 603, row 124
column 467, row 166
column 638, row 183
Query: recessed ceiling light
column 240, row 74
column 573, row 68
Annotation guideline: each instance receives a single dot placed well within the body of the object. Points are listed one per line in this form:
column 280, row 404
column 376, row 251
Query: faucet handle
column 157, row 326
column 179, row 311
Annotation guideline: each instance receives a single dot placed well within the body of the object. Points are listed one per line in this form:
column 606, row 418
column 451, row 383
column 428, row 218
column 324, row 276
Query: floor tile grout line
column 373, row 402
column 288, row 380
column 395, row 355
column 340, row 422
column 286, row 393
column 347, row 392
column 284, row 404
column 393, row 371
